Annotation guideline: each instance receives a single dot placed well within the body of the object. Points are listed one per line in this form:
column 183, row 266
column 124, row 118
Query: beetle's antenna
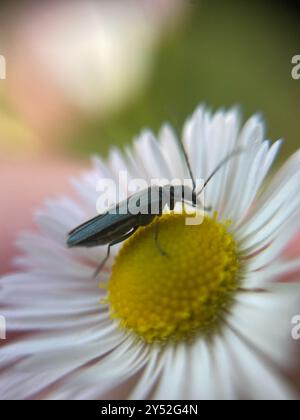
column 219, row 166
column 182, row 148
column 188, row 164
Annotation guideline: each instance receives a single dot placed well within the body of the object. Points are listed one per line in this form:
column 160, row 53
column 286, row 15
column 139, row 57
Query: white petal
column 172, row 153
column 258, row 170
column 152, row 371
column 223, row 368
column 271, row 253
column 173, row 381
column 86, row 187
column 147, row 149
column 249, row 140
column 276, row 203
column 255, row 378
column 264, row 319
column 38, row 372
column 104, row 374
column 203, row 384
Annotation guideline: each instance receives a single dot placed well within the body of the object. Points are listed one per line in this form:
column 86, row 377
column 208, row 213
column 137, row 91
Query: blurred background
column 82, row 75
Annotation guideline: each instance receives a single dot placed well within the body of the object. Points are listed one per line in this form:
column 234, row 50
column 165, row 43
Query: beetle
column 118, row 224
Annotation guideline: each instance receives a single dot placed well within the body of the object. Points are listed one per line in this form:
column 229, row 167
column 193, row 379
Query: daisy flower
column 213, row 321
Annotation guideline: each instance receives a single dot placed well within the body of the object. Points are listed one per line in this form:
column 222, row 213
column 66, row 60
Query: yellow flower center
column 179, row 295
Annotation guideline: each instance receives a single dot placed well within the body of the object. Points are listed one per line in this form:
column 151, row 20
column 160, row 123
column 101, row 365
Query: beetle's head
column 194, row 198
column 183, row 193
column 191, row 196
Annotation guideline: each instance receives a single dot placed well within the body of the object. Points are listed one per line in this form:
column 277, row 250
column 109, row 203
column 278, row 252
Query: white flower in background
column 212, row 321
column 98, row 54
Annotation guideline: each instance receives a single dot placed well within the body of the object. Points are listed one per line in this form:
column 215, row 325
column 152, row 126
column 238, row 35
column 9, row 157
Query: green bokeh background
column 224, row 54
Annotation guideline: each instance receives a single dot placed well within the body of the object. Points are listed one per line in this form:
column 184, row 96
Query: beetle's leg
column 115, row 242
column 99, row 268
column 160, row 249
